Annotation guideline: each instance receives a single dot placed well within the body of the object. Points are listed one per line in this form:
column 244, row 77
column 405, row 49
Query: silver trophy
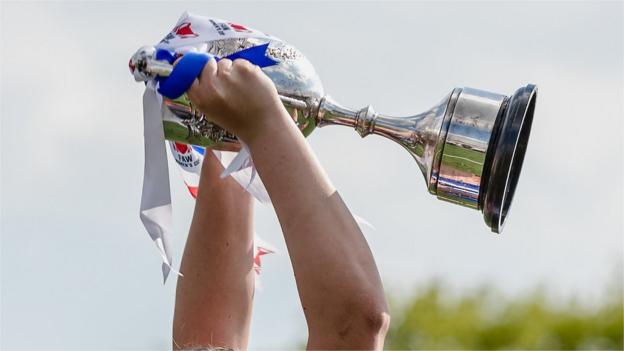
column 469, row 147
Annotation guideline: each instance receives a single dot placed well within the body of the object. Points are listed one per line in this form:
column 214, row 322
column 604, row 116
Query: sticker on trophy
column 186, row 157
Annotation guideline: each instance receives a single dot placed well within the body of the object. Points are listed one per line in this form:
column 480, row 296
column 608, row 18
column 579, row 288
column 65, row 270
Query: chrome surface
column 465, row 146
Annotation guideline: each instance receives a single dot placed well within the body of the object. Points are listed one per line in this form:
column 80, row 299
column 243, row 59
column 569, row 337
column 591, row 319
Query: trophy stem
column 419, row 134
column 331, row 113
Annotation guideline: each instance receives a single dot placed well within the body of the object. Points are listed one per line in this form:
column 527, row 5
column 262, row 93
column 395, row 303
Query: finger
column 224, row 66
column 205, row 77
column 209, row 71
column 239, row 62
column 242, row 66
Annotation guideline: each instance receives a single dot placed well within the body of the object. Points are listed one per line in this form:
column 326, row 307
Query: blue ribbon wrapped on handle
column 191, row 64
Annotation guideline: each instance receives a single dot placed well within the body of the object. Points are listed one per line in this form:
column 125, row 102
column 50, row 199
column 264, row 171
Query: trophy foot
column 503, row 162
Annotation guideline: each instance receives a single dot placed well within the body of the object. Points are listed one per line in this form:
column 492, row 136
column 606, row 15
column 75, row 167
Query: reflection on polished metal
column 470, row 146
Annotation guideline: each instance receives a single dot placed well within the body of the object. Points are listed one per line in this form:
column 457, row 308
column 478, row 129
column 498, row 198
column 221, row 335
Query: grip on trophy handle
column 183, row 75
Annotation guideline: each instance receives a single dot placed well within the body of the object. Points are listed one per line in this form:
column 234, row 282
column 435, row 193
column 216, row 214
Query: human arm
column 337, row 279
column 214, row 298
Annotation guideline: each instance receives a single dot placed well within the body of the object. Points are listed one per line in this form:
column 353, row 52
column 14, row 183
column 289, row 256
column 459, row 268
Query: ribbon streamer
column 155, row 210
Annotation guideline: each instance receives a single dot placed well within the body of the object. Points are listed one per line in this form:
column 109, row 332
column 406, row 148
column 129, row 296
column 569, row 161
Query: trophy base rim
column 504, row 163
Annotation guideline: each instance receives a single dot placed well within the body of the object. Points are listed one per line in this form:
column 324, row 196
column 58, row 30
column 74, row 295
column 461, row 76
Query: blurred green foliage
column 481, row 320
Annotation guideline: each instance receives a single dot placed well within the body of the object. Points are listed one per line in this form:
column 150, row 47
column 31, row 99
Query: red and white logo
column 185, row 156
column 184, row 30
column 181, row 148
column 239, row 28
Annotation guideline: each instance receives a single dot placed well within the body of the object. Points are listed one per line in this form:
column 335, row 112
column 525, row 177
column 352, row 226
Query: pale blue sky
column 79, row 271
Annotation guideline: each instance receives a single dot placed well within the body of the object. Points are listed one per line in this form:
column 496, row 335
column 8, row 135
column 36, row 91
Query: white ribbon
column 156, row 197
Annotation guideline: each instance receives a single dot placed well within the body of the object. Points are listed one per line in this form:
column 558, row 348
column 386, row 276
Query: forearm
column 338, row 282
column 214, row 298
column 333, row 265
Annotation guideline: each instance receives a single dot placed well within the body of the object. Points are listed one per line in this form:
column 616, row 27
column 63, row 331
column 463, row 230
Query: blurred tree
column 483, row 321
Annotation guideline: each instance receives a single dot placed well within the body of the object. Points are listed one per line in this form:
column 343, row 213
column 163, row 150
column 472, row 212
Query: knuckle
column 211, row 65
column 224, row 63
column 241, row 63
column 224, row 67
column 243, row 66
column 208, row 71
